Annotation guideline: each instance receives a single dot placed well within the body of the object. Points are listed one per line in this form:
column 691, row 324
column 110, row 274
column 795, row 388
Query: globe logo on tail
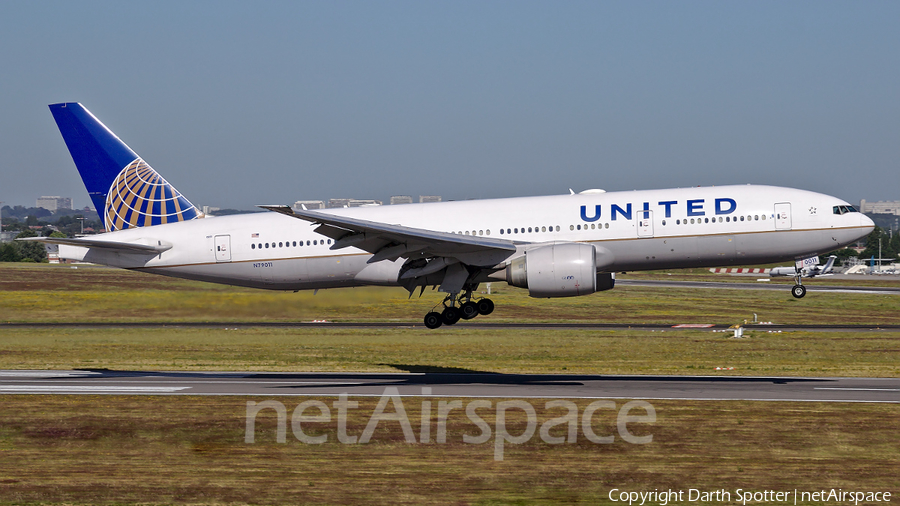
column 140, row 197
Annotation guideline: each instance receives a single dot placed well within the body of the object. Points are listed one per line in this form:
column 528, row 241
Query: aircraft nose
column 866, row 222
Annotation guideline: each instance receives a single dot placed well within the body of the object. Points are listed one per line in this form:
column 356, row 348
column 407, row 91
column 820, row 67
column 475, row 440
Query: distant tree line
column 67, row 221
column 21, row 213
column 22, row 251
column 890, row 245
column 21, row 219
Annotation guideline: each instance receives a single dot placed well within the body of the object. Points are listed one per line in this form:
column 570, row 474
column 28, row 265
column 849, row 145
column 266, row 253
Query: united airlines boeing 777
column 555, row 246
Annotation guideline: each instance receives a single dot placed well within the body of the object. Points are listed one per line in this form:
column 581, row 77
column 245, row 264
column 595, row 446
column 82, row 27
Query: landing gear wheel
column 433, row 320
column 798, row 291
column 450, row 315
column 469, row 310
column 485, row 306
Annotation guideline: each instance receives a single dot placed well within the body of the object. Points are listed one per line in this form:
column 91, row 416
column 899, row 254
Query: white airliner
column 555, row 246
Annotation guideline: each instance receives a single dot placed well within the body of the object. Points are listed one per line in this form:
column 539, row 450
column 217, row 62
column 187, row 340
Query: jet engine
column 559, row 270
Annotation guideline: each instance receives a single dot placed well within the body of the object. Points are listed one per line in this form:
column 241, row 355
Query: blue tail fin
column 125, row 190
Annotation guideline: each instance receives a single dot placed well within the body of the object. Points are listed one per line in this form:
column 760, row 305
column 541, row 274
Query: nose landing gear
column 798, row 291
column 457, row 307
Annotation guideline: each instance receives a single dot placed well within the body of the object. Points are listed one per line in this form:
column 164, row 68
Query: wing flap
column 333, row 232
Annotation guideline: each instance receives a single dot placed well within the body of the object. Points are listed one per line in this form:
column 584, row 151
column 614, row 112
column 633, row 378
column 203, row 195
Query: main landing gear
column 455, row 309
column 798, row 291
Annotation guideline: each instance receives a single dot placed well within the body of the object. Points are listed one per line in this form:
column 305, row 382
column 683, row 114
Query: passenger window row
column 290, row 244
column 727, row 219
column 585, row 226
column 511, row 231
column 554, row 228
column 529, row 230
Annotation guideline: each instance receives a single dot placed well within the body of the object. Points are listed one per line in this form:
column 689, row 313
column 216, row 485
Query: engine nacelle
column 559, row 270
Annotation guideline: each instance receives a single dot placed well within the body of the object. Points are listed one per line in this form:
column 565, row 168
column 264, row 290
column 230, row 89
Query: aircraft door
column 223, row 248
column 645, row 223
column 783, row 216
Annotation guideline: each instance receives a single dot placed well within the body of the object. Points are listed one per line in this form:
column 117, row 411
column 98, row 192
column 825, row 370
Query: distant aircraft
column 806, row 268
column 555, row 246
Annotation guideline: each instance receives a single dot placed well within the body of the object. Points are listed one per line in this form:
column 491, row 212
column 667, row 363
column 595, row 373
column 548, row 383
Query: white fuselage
column 685, row 227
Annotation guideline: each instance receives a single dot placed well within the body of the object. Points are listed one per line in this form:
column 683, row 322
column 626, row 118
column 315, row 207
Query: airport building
column 364, row 202
column 337, row 203
column 880, row 207
column 309, row 204
column 401, row 199
column 54, row 203
column 344, row 202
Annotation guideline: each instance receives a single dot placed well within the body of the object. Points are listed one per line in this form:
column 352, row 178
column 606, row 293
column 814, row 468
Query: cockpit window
column 844, row 209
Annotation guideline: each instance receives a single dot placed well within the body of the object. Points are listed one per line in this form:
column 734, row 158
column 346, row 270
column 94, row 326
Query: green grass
column 500, row 350
column 191, row 450
column 44, row 293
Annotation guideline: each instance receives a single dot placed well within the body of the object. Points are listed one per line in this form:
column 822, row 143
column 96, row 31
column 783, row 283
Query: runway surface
column 440, row 383
column 810, row 285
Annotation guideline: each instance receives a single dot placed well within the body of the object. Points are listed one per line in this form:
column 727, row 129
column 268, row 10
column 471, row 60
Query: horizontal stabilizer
column 146, row 246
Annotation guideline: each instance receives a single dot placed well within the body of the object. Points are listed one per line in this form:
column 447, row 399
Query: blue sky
column 240, row 103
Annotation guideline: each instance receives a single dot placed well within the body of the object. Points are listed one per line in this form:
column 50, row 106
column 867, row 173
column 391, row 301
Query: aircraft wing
column 147, row 246
column 390, row 242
